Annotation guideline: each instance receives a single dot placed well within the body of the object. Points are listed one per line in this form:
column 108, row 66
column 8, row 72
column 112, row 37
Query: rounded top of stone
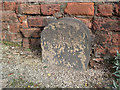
column 67, row 42
column 73, row 22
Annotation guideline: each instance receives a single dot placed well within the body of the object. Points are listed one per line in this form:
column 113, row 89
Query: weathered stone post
column 66, row 42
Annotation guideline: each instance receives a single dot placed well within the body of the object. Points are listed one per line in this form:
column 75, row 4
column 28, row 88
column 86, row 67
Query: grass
column 27, row 49
column 7, row 43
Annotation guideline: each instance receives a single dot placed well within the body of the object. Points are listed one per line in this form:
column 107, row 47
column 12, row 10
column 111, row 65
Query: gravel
column 23, row 68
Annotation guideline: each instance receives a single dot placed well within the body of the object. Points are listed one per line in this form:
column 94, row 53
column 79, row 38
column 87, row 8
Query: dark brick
column 28, row 9
column 106, row 24
column 4, row 26
column 14, row 37
column 50, row 9
column 117, row 9
column 105, row 10
column 9, row 17
column 40, row 21
column 9, row 6
column 116, row 38
column 26, row 43
column 88, row 22
column 31, row 32
column 14, row 27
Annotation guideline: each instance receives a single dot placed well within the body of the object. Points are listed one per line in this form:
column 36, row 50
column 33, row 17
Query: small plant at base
column 116, row 83
column 28, row 49
column 8, row 43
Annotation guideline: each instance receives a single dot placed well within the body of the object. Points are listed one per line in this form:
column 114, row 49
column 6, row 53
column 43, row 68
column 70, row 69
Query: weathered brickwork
column 117, row 7
column 105, row 10
column 9, row 6
column 23, row 22
column 28, row 9
column 50, row 9
column 80, row 9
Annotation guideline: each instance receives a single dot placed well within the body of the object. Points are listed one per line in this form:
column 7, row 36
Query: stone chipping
column 23, row 67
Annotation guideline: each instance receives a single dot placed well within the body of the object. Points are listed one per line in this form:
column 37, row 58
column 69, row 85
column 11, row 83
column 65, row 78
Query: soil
column 24, row 68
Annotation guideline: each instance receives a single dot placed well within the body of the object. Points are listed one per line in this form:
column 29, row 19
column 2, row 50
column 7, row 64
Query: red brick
column 117, row 8
column 14, row 37
column 34, row 42
column 14, row 27
column 29, row 9
column 9, row 6
column 105, row 10
column 26, row 43
column 16, row 8
column 26, row 40
column 100, row 50
column 86, row 21
column 80, row 8
column 9, row 17
column 31, row 32
column 1, row 37
column 106, row 25
column 4, row 26
column 106, row 38
column 22, row 18
column 116, row 39
column 24, row 24
column 92, row 63
column 39, row 21
column 103, row 38
column 113, row 50
column 36, row 21
column 3, row 34
column 50, row 9
column 1, row 6
column 29, row 43
column 98, row 59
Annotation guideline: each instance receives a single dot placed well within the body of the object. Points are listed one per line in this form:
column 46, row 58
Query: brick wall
column 24, row 21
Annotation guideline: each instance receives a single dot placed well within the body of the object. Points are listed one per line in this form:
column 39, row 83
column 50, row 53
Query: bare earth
column 23, row 68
